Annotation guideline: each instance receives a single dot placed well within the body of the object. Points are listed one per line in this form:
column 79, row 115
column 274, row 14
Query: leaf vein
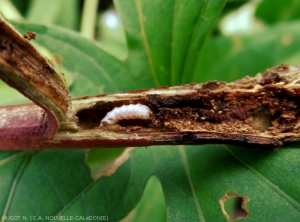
column 264, row 179
column 90, row 58
column 14, row 186
column 186, row 167
column 190, row 47
column 174, row 77
column 14, row 157
column 80, row 195
column 145, row 40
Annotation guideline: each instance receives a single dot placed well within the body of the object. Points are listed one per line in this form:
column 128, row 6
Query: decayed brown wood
column 263, row 110
column 25, row 69
column 259, row 111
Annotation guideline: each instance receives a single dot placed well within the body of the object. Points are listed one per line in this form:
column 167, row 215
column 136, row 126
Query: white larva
column 132, row 111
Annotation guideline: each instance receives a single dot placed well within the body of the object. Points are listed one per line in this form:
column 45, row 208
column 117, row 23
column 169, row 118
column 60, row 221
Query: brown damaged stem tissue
column 260, row 111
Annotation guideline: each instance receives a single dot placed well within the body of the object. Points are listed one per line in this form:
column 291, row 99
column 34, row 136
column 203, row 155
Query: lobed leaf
column 228, row 58
column 193, row 178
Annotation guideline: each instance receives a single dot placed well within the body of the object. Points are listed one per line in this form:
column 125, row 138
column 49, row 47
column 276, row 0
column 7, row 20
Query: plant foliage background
column 154, row 43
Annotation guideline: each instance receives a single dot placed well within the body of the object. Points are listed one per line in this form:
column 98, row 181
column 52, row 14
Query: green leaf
column 14, row 96
column 150, row 54
column 64, row 13
column 166, row 37
column 33, row 183
column 43, row 184
column 142, row 69
column 187, row 20
column 229, row 58
column 272, row 12
column 152, row 206
column 100, row 159
column 94, row 70
column 209, row 11
column 193, row 178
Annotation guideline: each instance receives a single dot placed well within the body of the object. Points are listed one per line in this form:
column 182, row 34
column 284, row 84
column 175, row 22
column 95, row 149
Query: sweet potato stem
column 259, row 111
